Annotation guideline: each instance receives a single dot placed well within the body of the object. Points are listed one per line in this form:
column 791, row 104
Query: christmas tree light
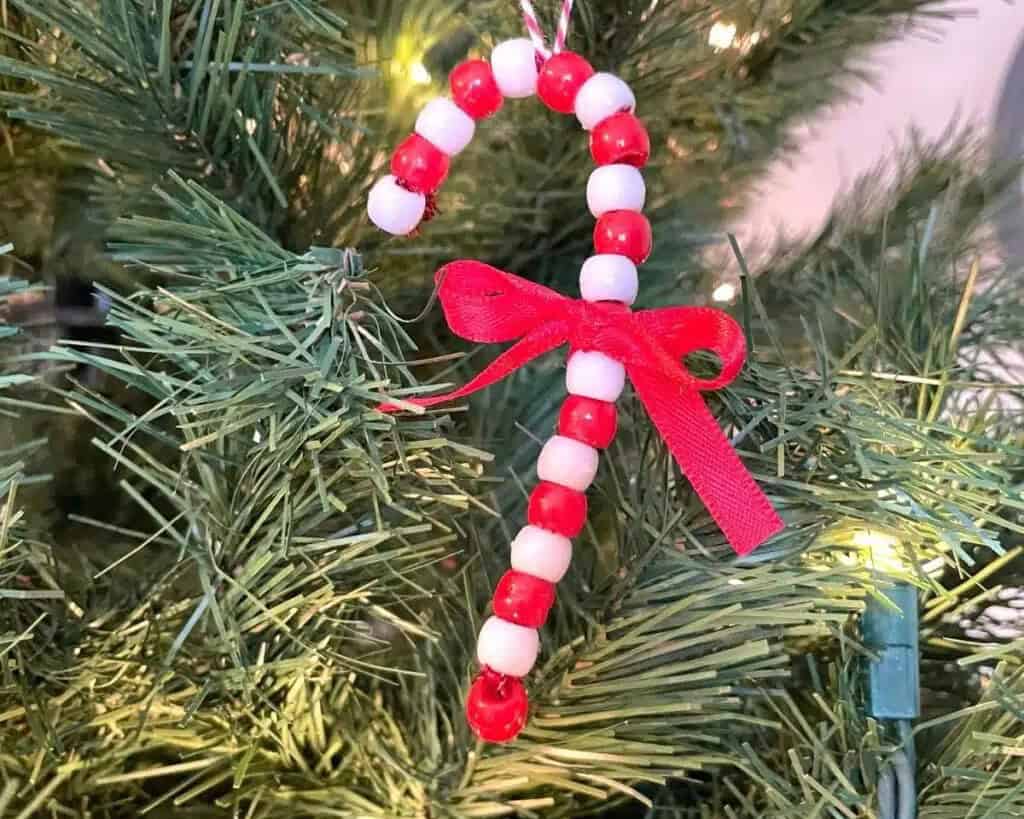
column 890, row 631
column 722, row 35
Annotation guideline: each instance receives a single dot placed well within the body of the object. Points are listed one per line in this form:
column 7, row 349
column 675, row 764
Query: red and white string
column 562, row 32
column 536, row 33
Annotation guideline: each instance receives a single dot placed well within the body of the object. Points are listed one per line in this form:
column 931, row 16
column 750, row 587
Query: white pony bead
column 594, row 375
column 394, row 209
column 615, row 187
column 608, row 277
column 445, row 126
column 507, row 648
column 541, row 553
column 567, row 462
column 600, row 97
column 514, row 63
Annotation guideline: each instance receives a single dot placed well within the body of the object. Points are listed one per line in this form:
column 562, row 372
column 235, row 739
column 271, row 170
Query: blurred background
column 967, row 71
column 957, row 76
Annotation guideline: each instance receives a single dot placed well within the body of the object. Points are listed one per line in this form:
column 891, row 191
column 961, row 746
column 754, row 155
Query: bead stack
column 508, row 643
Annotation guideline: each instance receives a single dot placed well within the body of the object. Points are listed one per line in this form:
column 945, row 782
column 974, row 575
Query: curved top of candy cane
column 565, row 82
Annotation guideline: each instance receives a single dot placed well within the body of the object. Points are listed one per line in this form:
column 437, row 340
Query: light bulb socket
column 890, row 632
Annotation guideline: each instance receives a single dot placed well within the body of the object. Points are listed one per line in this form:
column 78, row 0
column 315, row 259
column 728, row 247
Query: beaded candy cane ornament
column 608, row 341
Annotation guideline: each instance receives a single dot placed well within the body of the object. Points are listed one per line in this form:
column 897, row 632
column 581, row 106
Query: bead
column 444, row 124
column 594, row 375
column 557, row 508
column 506, row 647
column 620, row 139
column 588, row 420
column 474, row 89
column 615, row 187
column 600, row 97
column 561, row 78
column 496, row 706
column 541, row 553
column 418, row 165
column 394, row 209
column 607, row 277
column 568, row 462
column 514, row 63
column 523, row 599
column 624, row 233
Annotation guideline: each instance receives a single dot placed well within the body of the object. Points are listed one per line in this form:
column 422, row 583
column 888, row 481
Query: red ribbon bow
column 484, row 304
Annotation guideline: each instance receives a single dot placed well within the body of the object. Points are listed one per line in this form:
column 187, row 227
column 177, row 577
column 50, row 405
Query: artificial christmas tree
column 264, row 597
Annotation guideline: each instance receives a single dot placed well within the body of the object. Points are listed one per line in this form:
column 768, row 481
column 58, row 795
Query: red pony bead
column 418, row 165
column 474, row 88
column 624, row 233
column 523, row 599
column 620, row 139
column 497, row 706
column 588, row 420
column 560, row 79
column 557, row 508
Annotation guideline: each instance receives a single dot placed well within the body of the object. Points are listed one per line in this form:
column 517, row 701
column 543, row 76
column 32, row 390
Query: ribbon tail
column 707, row 458
column 535, row 343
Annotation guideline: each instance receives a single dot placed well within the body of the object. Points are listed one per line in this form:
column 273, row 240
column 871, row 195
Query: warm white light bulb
column 722, row 35
column 725, row 292
column 880, row 550
column 419, row 74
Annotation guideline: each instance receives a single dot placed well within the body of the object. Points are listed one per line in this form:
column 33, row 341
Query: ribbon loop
column 484, row 304
column 684, row 330
column 487, row 305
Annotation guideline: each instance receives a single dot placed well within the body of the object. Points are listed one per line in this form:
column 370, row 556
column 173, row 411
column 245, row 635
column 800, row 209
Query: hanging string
column 533, row 28
column 562, row 32
column 536, row 33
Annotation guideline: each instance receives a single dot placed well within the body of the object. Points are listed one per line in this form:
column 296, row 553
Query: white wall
column 957, row 72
